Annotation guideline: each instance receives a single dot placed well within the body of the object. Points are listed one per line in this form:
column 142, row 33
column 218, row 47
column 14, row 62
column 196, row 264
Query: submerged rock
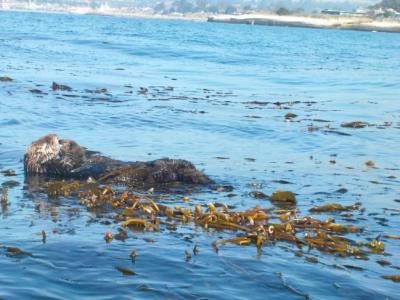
column 51, row 156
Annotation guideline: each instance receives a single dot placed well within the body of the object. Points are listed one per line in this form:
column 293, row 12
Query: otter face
column 40, row 153
column 52, row 156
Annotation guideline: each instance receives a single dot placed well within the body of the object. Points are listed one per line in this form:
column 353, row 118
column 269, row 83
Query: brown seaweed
column 335, row 207
column 8, row 172
column 125, row 271
column 252, row 226
column 283, row 197
column 394, row 278
column 16, row 252
column 354, row 124
column 5, row 79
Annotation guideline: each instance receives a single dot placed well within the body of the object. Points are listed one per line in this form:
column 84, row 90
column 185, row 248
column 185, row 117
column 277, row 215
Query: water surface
column 214, row 91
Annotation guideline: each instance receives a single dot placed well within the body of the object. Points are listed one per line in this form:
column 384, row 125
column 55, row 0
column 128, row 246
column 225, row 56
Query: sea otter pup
column 54, row 157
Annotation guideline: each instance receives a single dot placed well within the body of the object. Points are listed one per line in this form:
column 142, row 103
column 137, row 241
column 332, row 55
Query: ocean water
column 213, row 91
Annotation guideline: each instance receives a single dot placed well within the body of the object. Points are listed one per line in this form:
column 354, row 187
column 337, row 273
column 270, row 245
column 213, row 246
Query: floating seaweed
column 4, row 200
column 383, row 262
column 290, row 116
column 8, row 172
column 5, row 79
column 4, row 196
column 44, row 236
column 60, row 87
column 312, row 259
column 139, row 223
column 108, row 237
column 335, row 207
column 122, row 235
column 215, row 246
column 258, row 195
column 188, row 256
column 10, row 184
column 16, row 252
column 62, row 188
column 392, row 236
column 355, row 124
column 125, row 271
column 394, row 278
column 241, row 241
column 253, row 226
column 376, row 246
column 283, row 197
column 133, row 256
column 370, row 163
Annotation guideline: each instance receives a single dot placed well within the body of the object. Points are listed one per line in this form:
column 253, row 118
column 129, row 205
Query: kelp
column 335, row 207
column 8, row 172
column 258, row 195
column 290, row 116
column 125, row 271
column 62, row 188
column 17, row 252
column 283, row 197
column 133, row 256
column 376, row 246
column 44, row 236
column 139, row 223
column 332, row 244
column 392, row 236
column 5, row 79
column 383, row 262
column 188, row 255
column 354, row 124
column 108, row 237
column 394, row 278
column 10, row 184
column 4, row 196
column 242, row 240
column 370, row 163
column 252, row 226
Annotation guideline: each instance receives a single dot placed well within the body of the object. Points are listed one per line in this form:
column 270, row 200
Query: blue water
column 203, row 80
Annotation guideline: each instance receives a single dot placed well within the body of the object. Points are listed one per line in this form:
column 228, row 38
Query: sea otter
column 53, row 157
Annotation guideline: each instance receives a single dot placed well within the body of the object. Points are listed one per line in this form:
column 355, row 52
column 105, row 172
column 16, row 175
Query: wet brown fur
column 51, row 156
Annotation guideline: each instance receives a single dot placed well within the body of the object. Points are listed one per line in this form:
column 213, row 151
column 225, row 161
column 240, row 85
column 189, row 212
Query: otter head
column 52, row 156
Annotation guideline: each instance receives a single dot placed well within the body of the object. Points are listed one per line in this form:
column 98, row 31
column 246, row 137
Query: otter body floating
column 53, row 157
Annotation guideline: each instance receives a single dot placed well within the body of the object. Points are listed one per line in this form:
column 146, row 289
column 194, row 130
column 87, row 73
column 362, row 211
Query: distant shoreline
column 316, row 21
column 312, row 21
column 203, row 17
